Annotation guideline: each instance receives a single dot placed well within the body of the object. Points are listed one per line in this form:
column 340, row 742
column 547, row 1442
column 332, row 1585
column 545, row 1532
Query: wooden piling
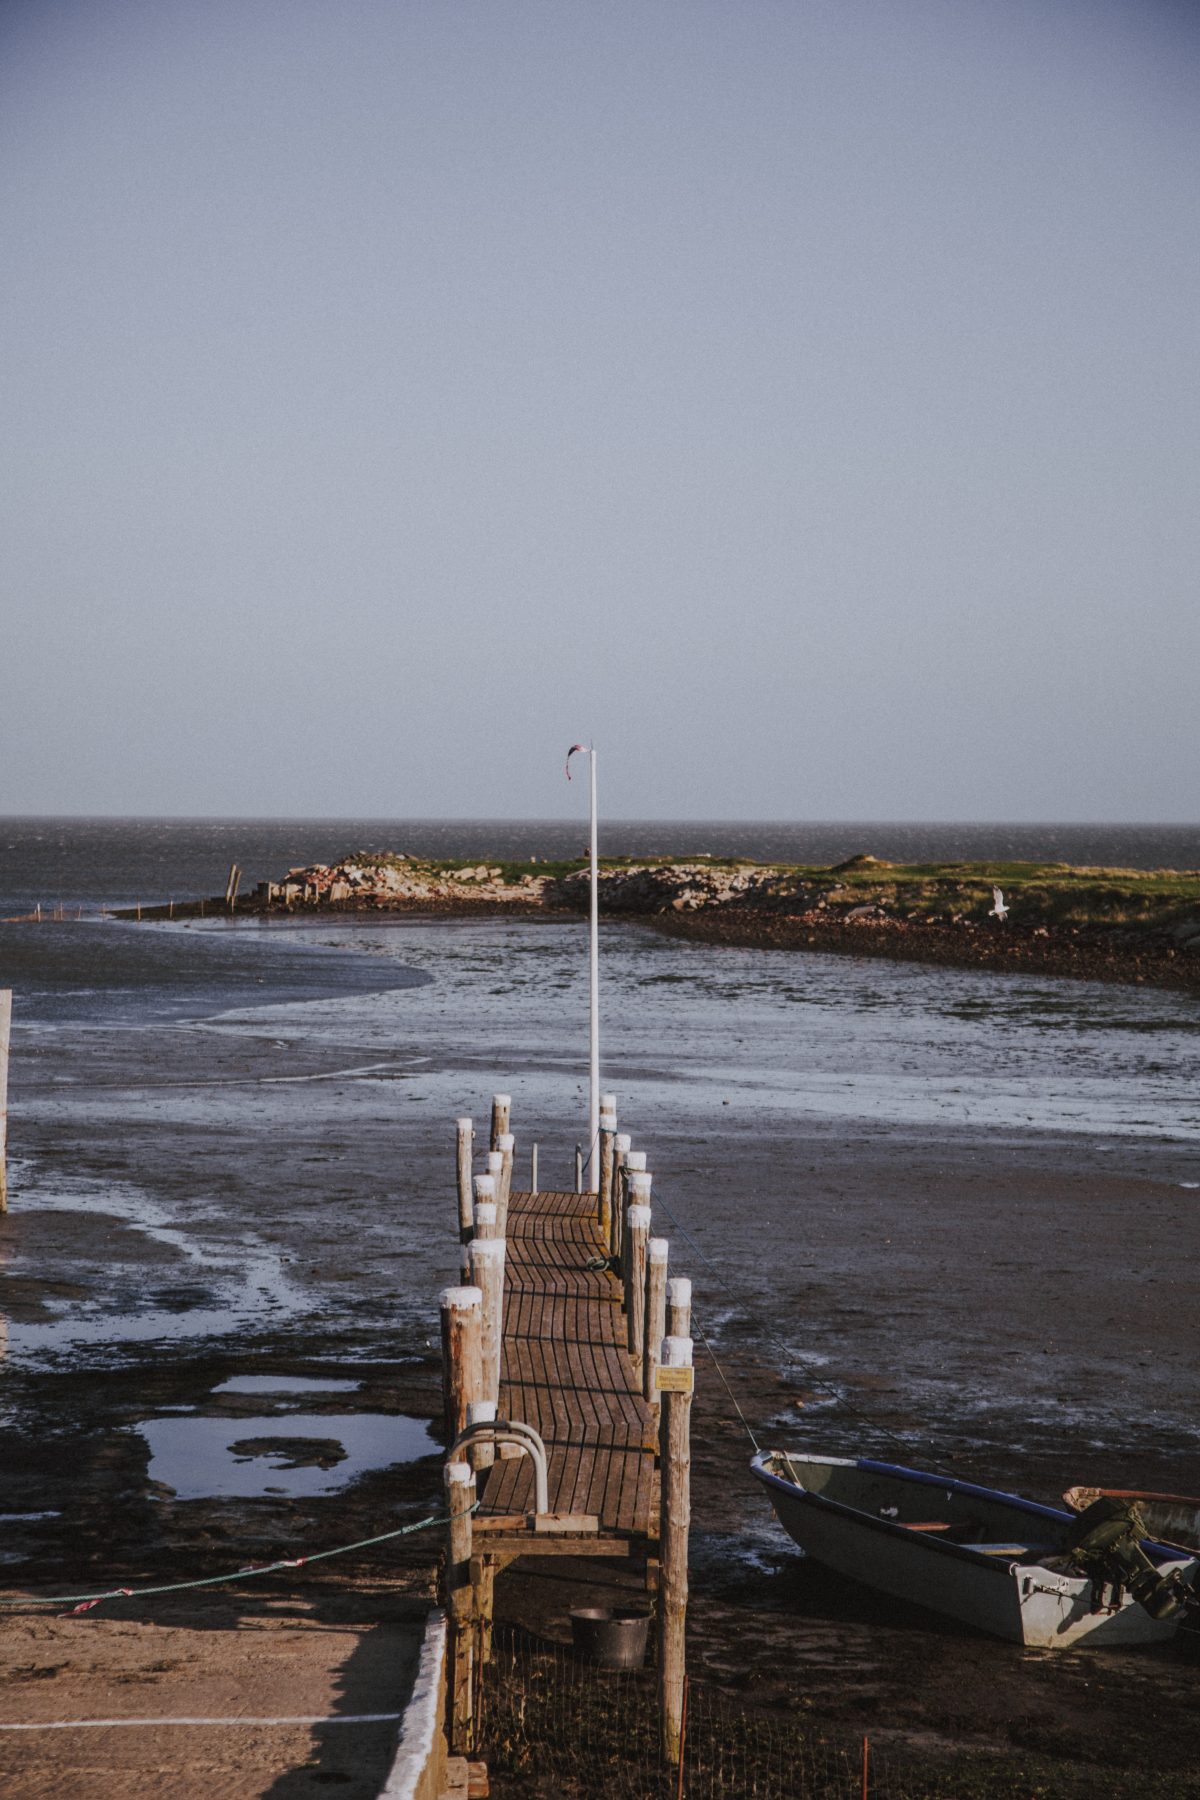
column 466, row 1139
column 621, row 1143
column 462, row 1328
column 637, row 1229
column 482, row 1453
column 459, row 1483
column 675, row 1379
column 635, row 1164
column 484, row 1197
column 507, row 1147
column 487, row 1274
column 679, row 1306
column 608, row 1130
column 533, row 1170
column 5, row 1040
column 501, row 1109
column 579, row 1168
column 655, row 1328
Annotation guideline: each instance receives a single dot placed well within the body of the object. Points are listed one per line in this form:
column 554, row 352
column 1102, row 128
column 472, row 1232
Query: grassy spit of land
column 1099, row 924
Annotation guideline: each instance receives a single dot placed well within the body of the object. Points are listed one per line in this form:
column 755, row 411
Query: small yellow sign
column 674, row 1381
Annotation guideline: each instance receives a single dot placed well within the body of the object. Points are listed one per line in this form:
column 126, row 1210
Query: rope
column 790, row 1357
column 80, row 1603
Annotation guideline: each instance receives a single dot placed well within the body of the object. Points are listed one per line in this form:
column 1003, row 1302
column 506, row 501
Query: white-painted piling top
column 501, row 1099
column 638, row 1218
column 658, row 1249
column 490, row 1249
column 622, row 1142
column 608, row 1103
column 466, row 1125
column 495, row 1159
column 480, row 1412
column 459, row 1474
column 608, row 1121
column 506, row 1141
column 450, row 1298
column 679, row 1290
column 484, row 1187
column 676, row 1353
column 635, row 1161
column 639, row 1187
column 485, row 1211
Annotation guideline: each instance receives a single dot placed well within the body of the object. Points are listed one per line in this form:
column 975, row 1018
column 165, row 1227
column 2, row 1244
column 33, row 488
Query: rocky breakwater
column 396, row 882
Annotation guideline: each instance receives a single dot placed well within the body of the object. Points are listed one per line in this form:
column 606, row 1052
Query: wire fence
column 557, row 1728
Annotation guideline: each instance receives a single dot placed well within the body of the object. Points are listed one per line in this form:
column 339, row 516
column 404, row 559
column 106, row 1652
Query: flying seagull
column 999, row 910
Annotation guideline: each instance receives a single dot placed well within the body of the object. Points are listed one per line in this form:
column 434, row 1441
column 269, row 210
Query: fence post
column 459, row 1482
column 5, row 1039
column 462, row 1324
column 501, row 1109
column 655, row 1327
column 675, row 1379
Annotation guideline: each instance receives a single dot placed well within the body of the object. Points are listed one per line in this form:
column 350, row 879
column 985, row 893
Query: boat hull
column 1014, row 1597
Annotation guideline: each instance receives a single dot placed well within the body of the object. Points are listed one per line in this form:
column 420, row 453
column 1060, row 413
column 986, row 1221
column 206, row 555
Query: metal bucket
column 612, row 1636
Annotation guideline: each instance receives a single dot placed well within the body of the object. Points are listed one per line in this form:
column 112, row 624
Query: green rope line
column 84, row 1602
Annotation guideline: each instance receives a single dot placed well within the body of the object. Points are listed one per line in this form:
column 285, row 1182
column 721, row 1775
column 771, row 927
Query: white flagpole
column 594, row 996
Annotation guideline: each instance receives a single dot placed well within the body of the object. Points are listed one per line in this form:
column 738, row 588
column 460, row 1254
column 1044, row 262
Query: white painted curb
column 415, row 1767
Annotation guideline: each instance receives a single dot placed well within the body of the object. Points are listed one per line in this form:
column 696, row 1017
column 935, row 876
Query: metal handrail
column 512, row 1431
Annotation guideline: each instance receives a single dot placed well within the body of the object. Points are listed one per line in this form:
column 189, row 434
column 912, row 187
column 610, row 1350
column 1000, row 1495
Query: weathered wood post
column 459, row 1482
column 487, row 1274
column 533, row 1170
column 675, row 1379
column 466, row 1140
column 655, row 1328
column 485, row 1196
column 679, row 1306
column 637, row 1230
column 506, row 1147
column 579, row 1168
column 635, row 1164
column 501, row 1108
column 621, row 1145
column 5, row 1039
column 482, row 1452
column 608, row 1131
column 462, row 1327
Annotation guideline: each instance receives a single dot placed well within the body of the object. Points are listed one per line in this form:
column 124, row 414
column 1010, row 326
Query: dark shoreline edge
column 1079, row 953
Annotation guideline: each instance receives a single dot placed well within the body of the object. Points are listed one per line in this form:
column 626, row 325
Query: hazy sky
column 799, row 398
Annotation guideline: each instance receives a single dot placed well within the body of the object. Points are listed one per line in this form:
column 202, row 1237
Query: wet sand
column 269, row 1193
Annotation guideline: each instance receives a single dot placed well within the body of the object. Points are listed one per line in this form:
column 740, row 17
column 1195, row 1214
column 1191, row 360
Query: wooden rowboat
column 987, row 1558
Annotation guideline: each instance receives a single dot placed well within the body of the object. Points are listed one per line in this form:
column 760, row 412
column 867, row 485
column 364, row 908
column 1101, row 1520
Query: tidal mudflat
column 930, row 1213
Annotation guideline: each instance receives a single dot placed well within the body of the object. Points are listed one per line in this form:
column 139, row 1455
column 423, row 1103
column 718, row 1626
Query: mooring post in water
column 5, row 1039
column 465, row 1143
column 655, row 1326
column 485, row 1216
column 679, row 1306
column 495, row 1171
column 462, row 1328
column 459, row 1481
column 635, row 1164
column 675, row 1379
column 501, row 1108
column 507, row 1146
column 579, row 1168
column 621, row 1145
column 533, row 1186
column 637, row 1231
column 608, row 1131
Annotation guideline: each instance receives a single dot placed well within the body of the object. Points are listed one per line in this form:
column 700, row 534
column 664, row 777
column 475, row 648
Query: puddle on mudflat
column 291, row 1454
column 285, row 1384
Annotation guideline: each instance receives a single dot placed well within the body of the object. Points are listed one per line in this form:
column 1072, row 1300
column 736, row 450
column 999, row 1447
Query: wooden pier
column 568, row 1386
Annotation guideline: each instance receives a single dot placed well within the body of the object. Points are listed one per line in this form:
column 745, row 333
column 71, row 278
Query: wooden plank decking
column 566, row 1372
